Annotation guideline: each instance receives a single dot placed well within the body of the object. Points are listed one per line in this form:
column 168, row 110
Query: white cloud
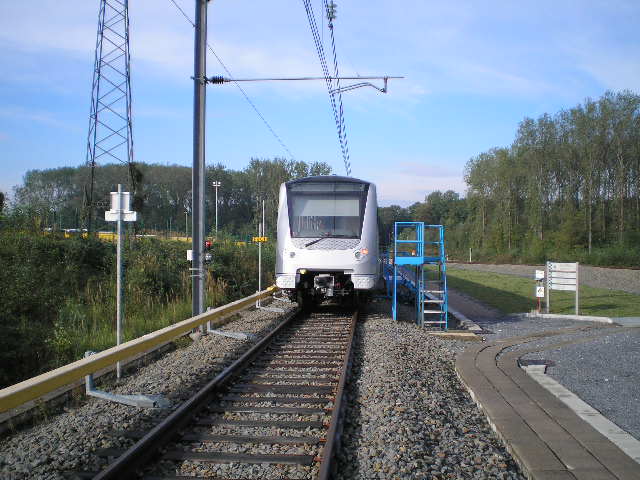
column 614, row 70
column 412, row 181
column 442, row 48
column 49, row 25
column 38, row 116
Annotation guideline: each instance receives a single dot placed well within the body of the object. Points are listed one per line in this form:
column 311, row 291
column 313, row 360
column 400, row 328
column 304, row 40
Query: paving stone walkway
column 547, row 438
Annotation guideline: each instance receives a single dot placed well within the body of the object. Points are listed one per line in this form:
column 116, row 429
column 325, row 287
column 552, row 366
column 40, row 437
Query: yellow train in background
column 111, row 236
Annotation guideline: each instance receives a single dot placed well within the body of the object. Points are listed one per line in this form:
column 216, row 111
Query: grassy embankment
column 512, row 294
column 58, row 295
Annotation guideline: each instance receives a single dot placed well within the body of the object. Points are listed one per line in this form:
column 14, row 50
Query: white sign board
column 564, row 277
column 114, row 216
column 540, row 291
column 539, row 274
column 120, row 208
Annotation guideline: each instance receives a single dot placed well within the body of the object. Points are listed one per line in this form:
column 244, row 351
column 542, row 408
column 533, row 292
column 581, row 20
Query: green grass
column 511, row 294
column 92, row 327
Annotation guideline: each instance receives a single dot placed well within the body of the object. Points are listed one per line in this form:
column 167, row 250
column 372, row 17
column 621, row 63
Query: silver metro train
column 327, row 238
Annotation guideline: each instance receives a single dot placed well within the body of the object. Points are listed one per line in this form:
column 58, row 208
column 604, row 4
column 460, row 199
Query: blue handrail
column 409, row 269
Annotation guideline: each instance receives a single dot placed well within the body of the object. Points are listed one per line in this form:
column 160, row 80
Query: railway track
column 274, row 413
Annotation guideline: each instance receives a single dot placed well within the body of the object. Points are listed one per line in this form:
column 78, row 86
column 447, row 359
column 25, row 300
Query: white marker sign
column 540, row 291
column 562, row 276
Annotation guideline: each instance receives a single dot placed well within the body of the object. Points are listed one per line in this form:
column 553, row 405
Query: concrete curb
column 557, row 316
column 465, row 322
column 464, row 335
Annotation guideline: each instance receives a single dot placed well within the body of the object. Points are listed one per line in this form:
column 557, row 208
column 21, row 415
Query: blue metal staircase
column 420, row 265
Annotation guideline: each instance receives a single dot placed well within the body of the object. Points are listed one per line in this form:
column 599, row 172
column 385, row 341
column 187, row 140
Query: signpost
column 564, row 277
column 539, row 286
column 120, row 211
column 260, row 239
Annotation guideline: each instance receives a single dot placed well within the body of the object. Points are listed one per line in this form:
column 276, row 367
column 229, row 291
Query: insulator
column 331, row 11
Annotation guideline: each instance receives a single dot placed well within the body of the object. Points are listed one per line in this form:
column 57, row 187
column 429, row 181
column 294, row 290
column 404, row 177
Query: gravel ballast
column 408, row 415
column 69, row 441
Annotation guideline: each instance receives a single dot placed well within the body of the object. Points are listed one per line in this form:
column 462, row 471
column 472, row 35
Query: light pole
column 216, row 185
column 186, row 224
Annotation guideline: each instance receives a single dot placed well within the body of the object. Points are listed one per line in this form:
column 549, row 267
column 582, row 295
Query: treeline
column 58, row 199
column 567, row 188
column 58, row 294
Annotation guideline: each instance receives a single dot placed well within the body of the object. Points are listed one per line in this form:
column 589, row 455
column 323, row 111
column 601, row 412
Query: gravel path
column 69, row 441
column 626, row 280
column 408, row 415
column 601, row 375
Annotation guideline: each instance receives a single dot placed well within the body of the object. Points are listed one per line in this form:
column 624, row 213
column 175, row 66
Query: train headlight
column 357, row 254
column 361, row 253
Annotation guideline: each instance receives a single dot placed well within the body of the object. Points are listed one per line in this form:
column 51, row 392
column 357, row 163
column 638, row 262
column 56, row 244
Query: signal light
column 207, row 245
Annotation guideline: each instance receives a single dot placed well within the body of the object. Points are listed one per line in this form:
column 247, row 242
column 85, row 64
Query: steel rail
column 127, row 464
column 335, row 426
column 232, row 379
column 20, row 393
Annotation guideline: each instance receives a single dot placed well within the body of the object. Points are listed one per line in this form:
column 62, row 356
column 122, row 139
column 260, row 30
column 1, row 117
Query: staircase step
column 433, row 311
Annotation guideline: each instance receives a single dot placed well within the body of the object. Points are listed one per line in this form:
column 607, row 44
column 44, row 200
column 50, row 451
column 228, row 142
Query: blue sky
column 473, row 71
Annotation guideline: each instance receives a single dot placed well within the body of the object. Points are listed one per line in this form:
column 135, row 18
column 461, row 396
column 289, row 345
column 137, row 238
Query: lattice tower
column 110, row 128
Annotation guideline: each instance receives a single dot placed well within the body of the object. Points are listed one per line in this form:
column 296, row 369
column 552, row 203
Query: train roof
column 327, row 178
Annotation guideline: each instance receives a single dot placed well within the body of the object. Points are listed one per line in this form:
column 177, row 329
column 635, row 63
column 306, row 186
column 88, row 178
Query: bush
column 58, row 295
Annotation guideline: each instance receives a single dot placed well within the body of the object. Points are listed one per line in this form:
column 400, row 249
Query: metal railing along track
column 33, row 388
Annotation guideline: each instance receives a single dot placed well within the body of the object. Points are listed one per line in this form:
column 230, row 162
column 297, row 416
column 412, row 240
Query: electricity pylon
column 110, row 129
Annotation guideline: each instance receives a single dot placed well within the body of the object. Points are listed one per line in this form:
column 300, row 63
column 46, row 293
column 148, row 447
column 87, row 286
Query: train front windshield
column 326, row 209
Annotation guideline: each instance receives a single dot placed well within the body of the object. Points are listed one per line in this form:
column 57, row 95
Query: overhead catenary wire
column 220, row 79
column 271, row 79
column 323, row 63
column 338, row 112
column 244, row 94
column 330, row 10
